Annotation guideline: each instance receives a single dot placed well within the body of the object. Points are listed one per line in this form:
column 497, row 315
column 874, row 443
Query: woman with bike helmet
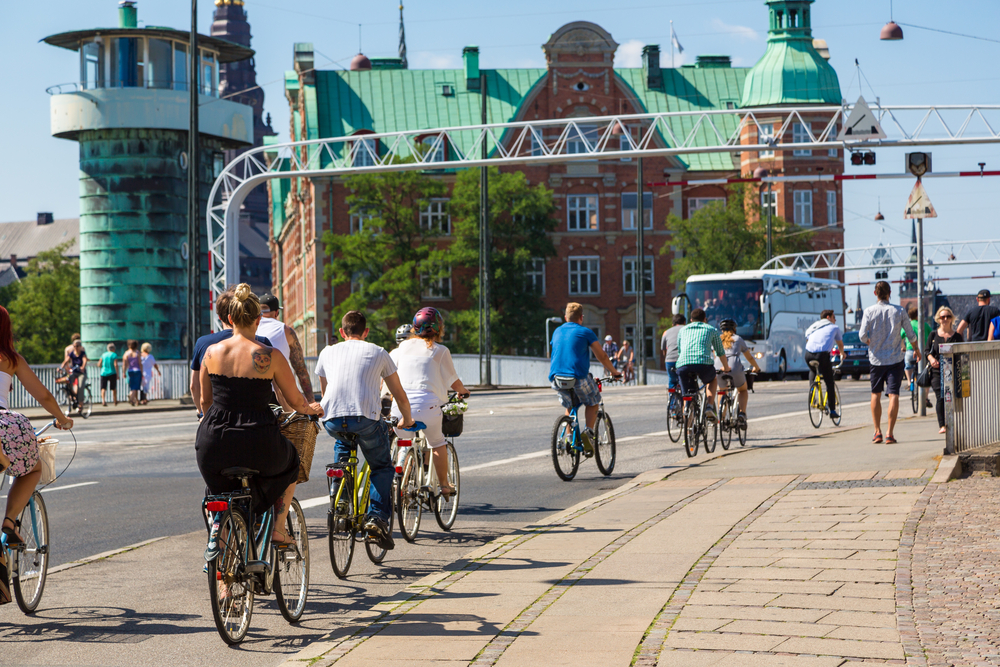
column 735, row 346
column 403, row 332
column 427, row 372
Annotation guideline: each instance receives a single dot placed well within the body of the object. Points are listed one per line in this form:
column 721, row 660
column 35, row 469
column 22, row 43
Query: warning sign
column 861, row 124
column 919, row 204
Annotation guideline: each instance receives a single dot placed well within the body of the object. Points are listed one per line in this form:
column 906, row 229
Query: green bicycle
column 818, row 400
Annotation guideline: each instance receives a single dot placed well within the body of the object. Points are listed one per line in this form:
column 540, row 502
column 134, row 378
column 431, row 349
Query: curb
column 40, row 413
column 102, row 556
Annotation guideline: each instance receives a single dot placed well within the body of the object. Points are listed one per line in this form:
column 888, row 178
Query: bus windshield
column 737, row 300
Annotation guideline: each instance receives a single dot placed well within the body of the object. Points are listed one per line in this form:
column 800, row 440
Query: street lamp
column 548, row 346
column 891, row 32
column 761, row 172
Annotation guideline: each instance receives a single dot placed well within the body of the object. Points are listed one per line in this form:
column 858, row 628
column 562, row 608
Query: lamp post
column 194, row 217
column 640, row 278
column 548, row 345
column 761, row 172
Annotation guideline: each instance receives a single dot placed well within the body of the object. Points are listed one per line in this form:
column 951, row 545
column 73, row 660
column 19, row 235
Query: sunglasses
column 944, row 317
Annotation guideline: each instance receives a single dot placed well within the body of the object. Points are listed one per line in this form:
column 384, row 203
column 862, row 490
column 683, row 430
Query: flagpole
column 671, row 45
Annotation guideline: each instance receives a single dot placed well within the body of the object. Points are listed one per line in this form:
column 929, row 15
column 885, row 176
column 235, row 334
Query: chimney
column 470, row 55
column 305, row 61
column 44, row 219
column 127, row 14
column 13, row 261
column 651, row 65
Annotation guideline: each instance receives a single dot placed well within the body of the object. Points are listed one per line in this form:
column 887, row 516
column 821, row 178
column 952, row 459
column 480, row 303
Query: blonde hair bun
column 242, row 292
column 244, row 309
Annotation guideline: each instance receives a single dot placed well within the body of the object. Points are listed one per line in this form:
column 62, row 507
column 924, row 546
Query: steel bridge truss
column 567, row 140
column 898, row 256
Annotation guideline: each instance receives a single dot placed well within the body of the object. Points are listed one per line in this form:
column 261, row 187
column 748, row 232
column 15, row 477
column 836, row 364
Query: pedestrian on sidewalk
column 148, row 366
column 668, row 347
column 977, row 320
column 18, row 446
column 133, row 368
column 910, row 365
column 109, row 375
column 285, row 339
column 880, row 331
column 944, row 334
column 821, row 338
column 569, row 370
column 697, row 344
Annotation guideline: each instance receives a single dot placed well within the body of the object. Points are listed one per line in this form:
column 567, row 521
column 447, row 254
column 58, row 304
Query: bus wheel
column 782, row 368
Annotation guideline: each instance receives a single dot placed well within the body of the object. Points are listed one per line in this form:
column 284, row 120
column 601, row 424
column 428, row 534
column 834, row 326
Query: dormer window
column 432, row 146
column 365, row 151
column 447, row 90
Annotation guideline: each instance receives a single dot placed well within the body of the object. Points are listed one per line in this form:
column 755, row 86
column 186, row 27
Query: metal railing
column 171, row 383
column 970, row 380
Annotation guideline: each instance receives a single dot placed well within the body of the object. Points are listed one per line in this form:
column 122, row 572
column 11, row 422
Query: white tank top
column 6, row 381
column 274, row 330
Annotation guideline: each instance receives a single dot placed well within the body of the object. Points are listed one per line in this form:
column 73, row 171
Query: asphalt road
column 134, row 478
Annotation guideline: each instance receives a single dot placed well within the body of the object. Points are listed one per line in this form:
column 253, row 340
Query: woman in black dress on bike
column 239, row 428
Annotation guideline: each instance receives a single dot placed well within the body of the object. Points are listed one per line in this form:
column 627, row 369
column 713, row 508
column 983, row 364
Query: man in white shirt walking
column 351, row 374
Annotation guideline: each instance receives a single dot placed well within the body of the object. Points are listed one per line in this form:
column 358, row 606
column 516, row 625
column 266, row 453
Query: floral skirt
column 17, row 438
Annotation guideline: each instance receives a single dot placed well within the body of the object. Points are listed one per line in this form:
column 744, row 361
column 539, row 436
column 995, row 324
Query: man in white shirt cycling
column 821, row 337
column 351, row 374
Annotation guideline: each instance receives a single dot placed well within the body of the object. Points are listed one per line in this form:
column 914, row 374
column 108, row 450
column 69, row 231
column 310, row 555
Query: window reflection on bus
column 737, row 300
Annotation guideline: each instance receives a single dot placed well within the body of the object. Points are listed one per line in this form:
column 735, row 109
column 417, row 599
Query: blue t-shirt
column 203, row 343
column 571, row 350
column 996, row 328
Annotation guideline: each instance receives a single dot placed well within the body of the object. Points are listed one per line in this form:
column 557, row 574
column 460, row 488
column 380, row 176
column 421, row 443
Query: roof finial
column 402, row 39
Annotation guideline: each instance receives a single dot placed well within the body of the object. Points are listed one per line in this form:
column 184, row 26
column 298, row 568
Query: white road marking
column 513, row 459
column 60, row 488
column 314, row 502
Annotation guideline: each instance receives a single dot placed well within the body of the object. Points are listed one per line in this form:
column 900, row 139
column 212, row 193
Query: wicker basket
column 451, row 425
column 302, row 432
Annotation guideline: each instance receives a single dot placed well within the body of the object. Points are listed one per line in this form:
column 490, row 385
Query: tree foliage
column 520, row 218
column 389, row 260
column 720, row 238
column 45, row 306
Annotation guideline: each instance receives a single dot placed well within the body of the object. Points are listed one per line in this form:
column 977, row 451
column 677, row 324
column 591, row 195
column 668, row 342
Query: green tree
column 520, row 218
column 720, row 238
column 391, row 258
column 45, row 310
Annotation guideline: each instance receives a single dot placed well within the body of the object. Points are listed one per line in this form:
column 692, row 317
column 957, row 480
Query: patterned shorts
column 19, row 443
column 585, row 391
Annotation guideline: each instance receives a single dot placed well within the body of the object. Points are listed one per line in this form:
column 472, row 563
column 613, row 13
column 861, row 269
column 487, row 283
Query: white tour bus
column 772, row 310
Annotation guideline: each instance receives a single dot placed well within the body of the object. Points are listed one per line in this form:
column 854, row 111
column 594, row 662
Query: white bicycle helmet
column 404, row 332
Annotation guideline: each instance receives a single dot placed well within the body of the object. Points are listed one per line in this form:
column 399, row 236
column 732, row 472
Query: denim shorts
column 585, row 392
column 910, row 362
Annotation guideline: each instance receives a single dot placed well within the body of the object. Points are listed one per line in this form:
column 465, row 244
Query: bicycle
column 418, row 487
column 729, row 417
column 696, row 427
column 914, row 395
column 350, row 497
column 83, row 403
column 818, row 398
column 29, row 562
column 567, row 442
column 241, row 565
column 675, row 414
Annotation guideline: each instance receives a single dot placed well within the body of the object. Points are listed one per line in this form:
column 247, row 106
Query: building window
column 629, row 265
column 92, row 65
column 629, row 210
column 833, row 152
column 701, row 202
column 582, row 139
column 803, row 207
column 359, row 221
column 584, row 275
column 582, row 213
column 800, row 135
column 765, row 134
column 433, row 148
column 180, row 67
column 535, row 276
column 624, row 145
column 159, row 68
column 359, row 280
column 647, row 339
column 831, row 207
column 438, row 287
column 774, row 203
column 536, row 144
column 364, row 153
column 435, row 217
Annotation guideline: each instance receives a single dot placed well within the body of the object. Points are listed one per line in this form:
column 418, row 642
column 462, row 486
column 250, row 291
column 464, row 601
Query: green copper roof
column 791, row 71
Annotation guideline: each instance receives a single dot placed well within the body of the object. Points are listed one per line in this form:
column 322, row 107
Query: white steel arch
column 567, row 140
column 896, row 256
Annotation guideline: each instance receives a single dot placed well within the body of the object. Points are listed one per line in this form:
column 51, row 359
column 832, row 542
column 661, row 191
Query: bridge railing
column 970, row 380
column 171, row 382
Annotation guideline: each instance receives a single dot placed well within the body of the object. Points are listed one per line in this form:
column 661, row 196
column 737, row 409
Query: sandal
column 877, row 438
column 447, row 492
column 285, row 540
column 890, row 440
column 13, row 539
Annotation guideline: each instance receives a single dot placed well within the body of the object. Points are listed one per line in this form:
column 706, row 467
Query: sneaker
column 911, row 386
column 834, row 414
column 377, row 531
column 741, row 420
column 587, row 439
column 710, row 415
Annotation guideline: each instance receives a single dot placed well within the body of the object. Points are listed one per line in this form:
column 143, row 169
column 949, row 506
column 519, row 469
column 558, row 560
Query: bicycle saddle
column 237, row 473
column 813, row 363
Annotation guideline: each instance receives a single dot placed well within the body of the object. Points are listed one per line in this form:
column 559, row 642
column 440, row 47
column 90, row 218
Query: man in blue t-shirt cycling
column 569, row 371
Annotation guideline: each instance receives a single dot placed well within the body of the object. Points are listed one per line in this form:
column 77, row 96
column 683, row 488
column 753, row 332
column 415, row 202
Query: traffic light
column 858, row 159
column 881, row 275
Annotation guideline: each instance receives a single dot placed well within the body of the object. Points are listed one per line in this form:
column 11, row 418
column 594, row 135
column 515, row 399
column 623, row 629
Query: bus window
column 738, row 300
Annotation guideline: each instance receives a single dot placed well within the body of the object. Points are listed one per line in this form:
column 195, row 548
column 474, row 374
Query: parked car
column 855, row 357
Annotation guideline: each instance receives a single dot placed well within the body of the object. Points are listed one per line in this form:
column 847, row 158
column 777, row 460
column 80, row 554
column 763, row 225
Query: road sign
column 861, row 125
column 919, row 204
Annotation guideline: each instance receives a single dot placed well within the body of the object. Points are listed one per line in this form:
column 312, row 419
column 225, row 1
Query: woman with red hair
column 18, row 447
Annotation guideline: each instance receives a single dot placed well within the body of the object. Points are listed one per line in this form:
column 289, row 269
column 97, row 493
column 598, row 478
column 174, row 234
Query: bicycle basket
column 302, row 433
column 47, row 457
column 451, row 425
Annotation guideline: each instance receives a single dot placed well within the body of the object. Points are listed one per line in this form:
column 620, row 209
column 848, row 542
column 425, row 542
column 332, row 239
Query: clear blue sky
column 41, row 172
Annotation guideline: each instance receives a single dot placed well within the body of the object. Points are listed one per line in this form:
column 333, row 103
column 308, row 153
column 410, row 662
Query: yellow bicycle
column 818, row 403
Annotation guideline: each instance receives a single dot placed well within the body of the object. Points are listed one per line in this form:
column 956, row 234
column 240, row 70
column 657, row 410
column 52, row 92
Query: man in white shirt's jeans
column 351, row 374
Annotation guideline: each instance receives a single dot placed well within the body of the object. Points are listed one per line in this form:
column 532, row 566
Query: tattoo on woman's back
column 262, row 360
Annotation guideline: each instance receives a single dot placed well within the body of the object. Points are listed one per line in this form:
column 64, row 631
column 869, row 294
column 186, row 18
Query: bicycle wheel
column 691, row 434
column 675, row 418
column 605, row 450
column 408, row 506
column 836, row 405
column 291, row 572
column 741, row 433
column 341, row 528
column 230, row 587
column 565, row 457
column 710, row 432
column 815, row 404
column 33, row 561
column 914, row 397
column 86, row 403
column 727, row 421
column 376, row 554
column 445, row 511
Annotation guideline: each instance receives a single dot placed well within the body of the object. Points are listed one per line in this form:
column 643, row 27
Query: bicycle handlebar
column 45, row 428
column 295, row 416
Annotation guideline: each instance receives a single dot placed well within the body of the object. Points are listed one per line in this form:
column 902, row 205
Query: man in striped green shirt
column 696, row 344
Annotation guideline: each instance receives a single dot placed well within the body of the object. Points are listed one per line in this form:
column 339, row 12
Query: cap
column 269, row 300
column 609, row 338
column 983, row 294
